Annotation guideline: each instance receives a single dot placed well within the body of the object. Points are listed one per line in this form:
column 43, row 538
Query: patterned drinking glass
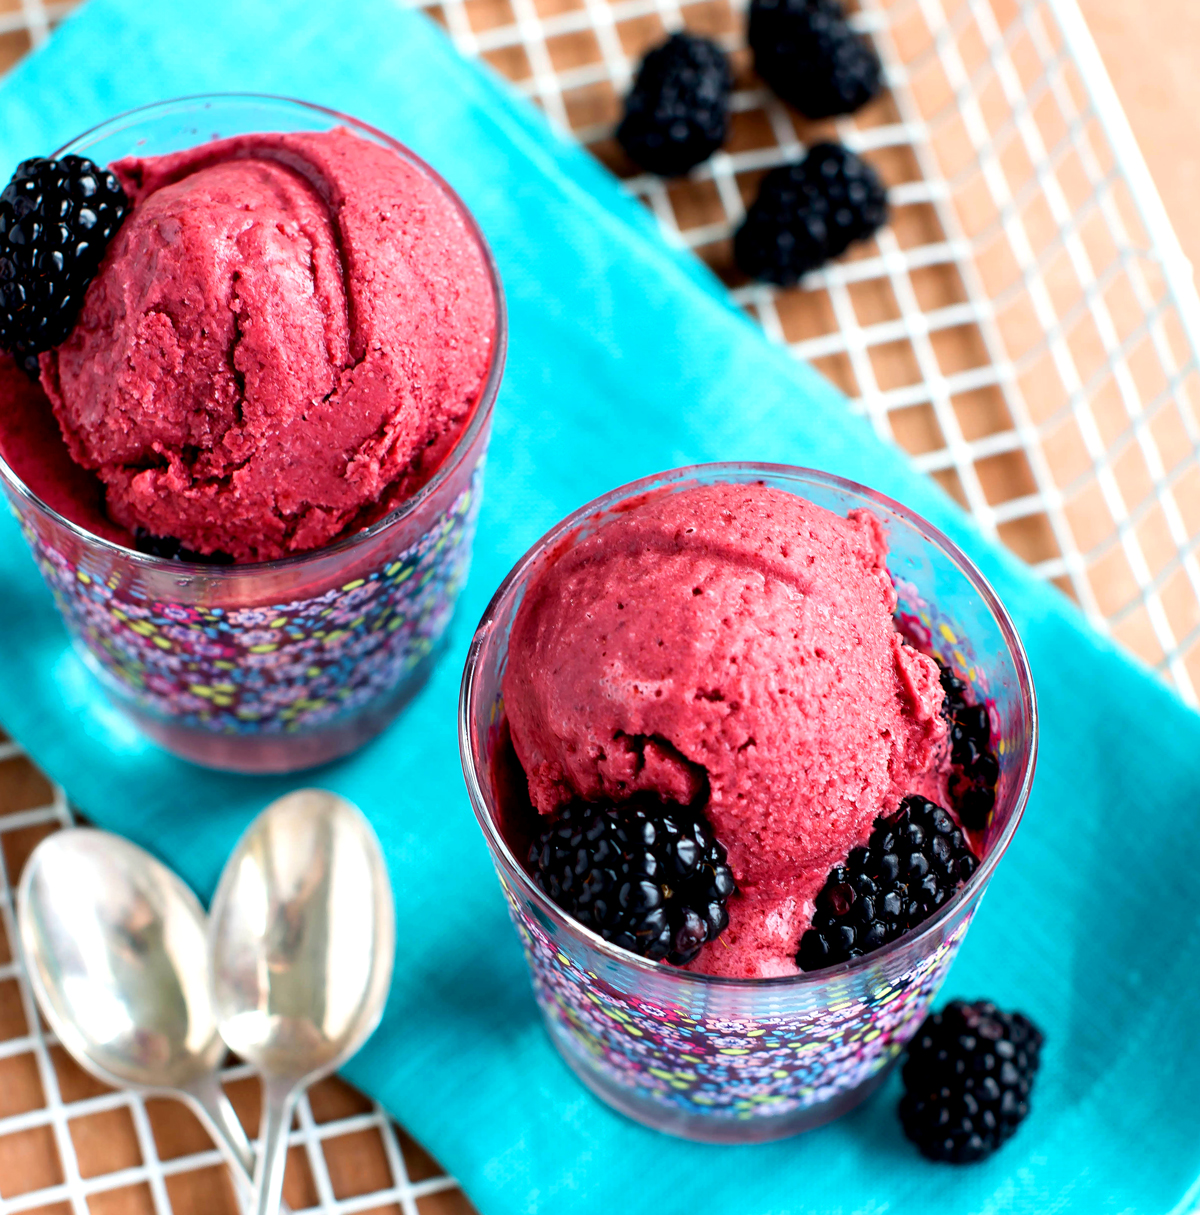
column 279, row 665
column 742, row 1060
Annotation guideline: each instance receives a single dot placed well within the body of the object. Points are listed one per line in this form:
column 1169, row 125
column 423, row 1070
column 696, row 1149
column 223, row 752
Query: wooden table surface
column 1151, row 52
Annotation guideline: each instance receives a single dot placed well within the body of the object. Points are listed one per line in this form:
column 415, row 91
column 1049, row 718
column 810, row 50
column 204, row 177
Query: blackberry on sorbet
column 954, row 691
column 913, row 863
column 975, row 768
column 967, row 1080
column 806, row 214
column 57, row 218
column 677, row 113
column 170, row 549
column 807, row 52
column 647, row 876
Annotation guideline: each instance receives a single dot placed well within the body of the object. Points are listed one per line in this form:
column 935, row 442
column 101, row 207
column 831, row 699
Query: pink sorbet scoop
column 729, row 646
column 284, row 340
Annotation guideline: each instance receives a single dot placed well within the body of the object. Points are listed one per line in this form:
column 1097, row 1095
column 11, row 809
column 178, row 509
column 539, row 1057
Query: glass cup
column 278, row 665
column 728, row 1060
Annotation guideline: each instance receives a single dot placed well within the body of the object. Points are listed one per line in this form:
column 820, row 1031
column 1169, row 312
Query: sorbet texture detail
column 729, row 646
column 284, row 341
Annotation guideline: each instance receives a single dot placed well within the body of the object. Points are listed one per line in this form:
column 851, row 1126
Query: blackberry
column 967, row 1080
column 954, row 691
column 975, row 767
column 56, row 219
column 808, row 213
column 646, row 876
column 677, row 113
column 807, row 53
column 914, row 861
column 171, row 549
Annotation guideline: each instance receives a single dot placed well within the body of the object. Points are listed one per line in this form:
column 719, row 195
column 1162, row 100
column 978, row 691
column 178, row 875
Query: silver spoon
column 117, row 951
column 302, row 935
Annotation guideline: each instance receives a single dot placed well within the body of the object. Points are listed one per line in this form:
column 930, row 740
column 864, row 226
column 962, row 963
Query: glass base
column 710, row 1128
column 275, row 754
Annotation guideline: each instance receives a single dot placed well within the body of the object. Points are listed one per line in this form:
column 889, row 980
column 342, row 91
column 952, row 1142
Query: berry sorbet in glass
column 746, row 743
column 250, row 467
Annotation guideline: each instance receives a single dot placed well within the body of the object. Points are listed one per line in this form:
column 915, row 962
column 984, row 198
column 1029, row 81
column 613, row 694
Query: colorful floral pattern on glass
column 279, row 667
column 729, row 1068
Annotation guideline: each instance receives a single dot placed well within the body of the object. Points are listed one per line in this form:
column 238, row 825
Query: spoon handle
column 208, row 1099
column 223, row 1122
column 279, row 1104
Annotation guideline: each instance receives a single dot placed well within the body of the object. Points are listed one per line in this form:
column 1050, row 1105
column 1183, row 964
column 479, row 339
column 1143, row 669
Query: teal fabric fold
column 626, row 359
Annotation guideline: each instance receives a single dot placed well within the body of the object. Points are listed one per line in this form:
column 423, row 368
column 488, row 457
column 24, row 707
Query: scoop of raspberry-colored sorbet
column 285, row 337
column 729, row 646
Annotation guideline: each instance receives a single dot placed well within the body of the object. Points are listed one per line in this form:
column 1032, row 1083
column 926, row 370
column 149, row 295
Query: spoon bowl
column 302, row 940
column 117, row 953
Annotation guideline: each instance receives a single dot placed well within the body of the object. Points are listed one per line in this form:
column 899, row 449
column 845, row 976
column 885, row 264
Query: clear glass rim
column 519, row 574
column 454, row 457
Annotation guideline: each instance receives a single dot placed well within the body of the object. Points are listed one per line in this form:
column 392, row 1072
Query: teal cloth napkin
column 625, row 360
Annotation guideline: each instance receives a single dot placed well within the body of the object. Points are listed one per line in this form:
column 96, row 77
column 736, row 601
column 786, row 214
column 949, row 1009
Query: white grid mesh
column 1026, row 328
column 51, row 1129
column 1013, row 89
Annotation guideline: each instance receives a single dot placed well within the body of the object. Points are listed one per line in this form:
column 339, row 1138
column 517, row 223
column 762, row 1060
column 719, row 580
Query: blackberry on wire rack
column 809, row 213
column 56, row 220
column 809, row 55
column 677, row 113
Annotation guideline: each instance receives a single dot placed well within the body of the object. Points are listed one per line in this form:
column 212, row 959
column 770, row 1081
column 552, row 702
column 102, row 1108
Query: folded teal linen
column 626, row 359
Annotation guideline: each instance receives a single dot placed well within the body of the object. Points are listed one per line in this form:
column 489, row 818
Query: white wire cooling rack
column 68, row 1144
column 1026, row 328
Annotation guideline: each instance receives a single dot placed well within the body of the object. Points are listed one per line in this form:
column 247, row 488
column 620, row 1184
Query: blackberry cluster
column 56, row 220
column 912, row 864
column 808, row 213
column 807, row 53
column 967, row 1080
column 647, row 876
column 678, row 111
column 171, row 549
column 976, row 769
